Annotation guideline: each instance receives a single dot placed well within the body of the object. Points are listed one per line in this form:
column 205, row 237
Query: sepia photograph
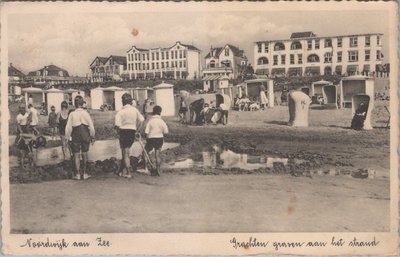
column 199, row 118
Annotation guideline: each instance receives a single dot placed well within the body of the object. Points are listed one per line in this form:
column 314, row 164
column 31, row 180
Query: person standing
column 62, row 118
column 263, row 98
column 34, row 119
column 80, row 130
column 155, row 130
column 53, row 122
column 127, row 121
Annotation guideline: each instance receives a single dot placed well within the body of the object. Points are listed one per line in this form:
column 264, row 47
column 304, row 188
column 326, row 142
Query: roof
column 52, row 70
column 302, row 34
column 163, row 85
column 217, row 50
column 32, row 90
column 357, row 77
column 118, row 59
column 112, row 88
column 12, row 71
column 322, row 82
column 320, row 37
column 215, row 77
column 103, row 60
column 54, row 90
column 189, row 47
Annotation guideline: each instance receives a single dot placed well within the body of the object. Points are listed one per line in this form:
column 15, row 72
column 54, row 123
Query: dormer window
column 60, row 73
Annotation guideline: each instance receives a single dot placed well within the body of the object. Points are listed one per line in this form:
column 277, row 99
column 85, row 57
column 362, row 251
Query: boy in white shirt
column 22, row 120
column 34, row 118
column 127, row 121
column 80, row 130
column 155, row 130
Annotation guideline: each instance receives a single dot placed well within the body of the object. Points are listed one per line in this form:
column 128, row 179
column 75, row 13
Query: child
column 81, row 131
column 62, row 118
column 33, row 113
column 22, row 120
column 53, row 122
column 127, row 121
column 155, row 131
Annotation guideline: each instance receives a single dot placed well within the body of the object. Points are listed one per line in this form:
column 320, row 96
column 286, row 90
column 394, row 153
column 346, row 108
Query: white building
column 306, row 54
column 228, row 60
column 108, row 68
column 179, row 61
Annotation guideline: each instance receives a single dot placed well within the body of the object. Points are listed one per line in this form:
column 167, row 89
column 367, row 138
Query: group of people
column 245, row 104
column 77, row 132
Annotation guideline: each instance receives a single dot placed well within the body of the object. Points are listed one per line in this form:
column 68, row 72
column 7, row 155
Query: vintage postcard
column 199, row 128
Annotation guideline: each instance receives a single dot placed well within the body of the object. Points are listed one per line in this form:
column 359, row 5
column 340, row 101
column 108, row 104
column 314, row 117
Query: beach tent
column 54, row 97
column 353, row 85
column 164, row 97
column 34, row 95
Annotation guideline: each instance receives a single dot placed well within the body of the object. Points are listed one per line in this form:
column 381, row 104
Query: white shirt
column 128, row 117
column 77, row 118
column 156, row 127
column 35, row 118
column 22, row 119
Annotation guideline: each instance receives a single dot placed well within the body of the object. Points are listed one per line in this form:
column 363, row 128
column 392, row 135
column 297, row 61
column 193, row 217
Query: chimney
column 211, row 51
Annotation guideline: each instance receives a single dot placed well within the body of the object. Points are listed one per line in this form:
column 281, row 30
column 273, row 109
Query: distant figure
column 53, row 122
column 33, row 118
column 357, row 122
column 263, row 98
column 182, row 111
column 62, row 118
column 30, row 99
column 148, row 108
column 155, row 130
column 244, row 103
column 128, row 121
column 81, row 131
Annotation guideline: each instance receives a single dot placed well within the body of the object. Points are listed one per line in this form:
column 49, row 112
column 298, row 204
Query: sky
column 72, row 41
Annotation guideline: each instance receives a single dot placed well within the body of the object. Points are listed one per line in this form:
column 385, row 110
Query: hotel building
column 110, row 68
column 179, row 61
column 307, row 54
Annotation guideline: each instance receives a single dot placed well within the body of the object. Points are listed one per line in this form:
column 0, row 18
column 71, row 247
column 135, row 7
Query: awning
column 312, row 70
column 366, row 67
column 338, row 69
column 278, row 71
column 352, row 68
column 264, row 71
column 295, row 70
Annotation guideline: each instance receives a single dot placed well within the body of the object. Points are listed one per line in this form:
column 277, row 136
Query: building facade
column 15, row 76
column 179, row 61
column 306, row 54
column 52, row 75
column 228, row 61
column 112, row 68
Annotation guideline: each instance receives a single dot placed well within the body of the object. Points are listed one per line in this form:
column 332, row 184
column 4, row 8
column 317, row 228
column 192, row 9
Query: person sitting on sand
column 155, row 130
column 80, row 130
column 128, row 120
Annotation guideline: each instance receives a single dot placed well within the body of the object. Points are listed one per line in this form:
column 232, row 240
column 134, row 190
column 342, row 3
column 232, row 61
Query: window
column 184, row 53
column 313, row 58
column 184, row 64
column 144, row 66
column 378, row 55
column 317, row 44
column 295, row 45
column 300, row 59
column 279, row 46
column 309, row 44
column 176, row 54
column 367, row 55
column 283, row 59
column 172, row 54
column 226, row 51
column 180, row 54
column 172, row 65
column 353, row 56
column 157, row 66
column 259, row 47
column 176, row 63
column 262, row 60
column 148, row 66
column 162, row 55
column 162, row 65
column 378, row 40
column 339, row 42
column 180, row 64
column 152, row 56
column 339, row 57
column 148, row 56
column 353, row 42
column 212, row 64
column 275, row 60
column 327, row 57
column 266, row 50
column 167, row 55
column 157, row 56
column 167, row 64
column 367, row 41
column 328, row 43
column 152, row 66
column 292, row 59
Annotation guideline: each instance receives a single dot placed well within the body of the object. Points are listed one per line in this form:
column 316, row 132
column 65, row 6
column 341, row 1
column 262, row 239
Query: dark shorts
column 154, row 143
column 183, row 110
column 126, row 137
column 80, row 139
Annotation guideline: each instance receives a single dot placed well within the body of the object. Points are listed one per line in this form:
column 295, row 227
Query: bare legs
column 77, row 160
column 126, row 163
